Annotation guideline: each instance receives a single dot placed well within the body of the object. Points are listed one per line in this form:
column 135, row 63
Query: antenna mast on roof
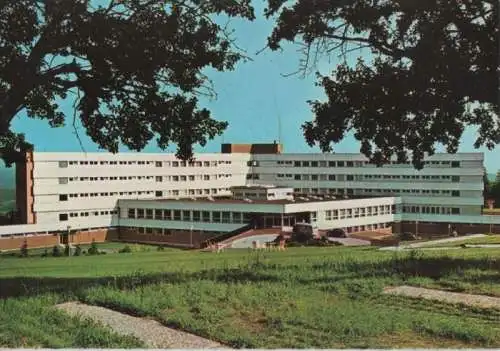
column 278, row 117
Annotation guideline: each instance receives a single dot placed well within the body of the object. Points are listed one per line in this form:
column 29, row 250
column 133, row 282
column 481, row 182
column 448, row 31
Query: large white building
column 82, row 190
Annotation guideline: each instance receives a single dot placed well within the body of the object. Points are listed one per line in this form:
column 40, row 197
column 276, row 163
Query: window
column 455, row 193
column 159, row 193
column 63, row 217
column 216, row 217
column 331, row 177
column 226, row 217
column 296, row 177
column 167, row 215
column 455, row 179
column 350, row 164
column 140, row 213
column 63, row 164
column 131, row 213
column 177, row 215
column 340, row 164
column 328, row 215
column 63, row 197
column 455, row 211
column 149, row 213
column 314, row 163
column 206, row 216
column 186, row 215
column 296, row 163
column 63, row 180
column 196, row 216
column 149, row 230
column 350, row 177
column 158, row 214
column 159, row 178
column 158, row 164
column 455, row 164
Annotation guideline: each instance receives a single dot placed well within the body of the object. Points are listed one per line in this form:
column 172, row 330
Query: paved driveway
column 351, row 241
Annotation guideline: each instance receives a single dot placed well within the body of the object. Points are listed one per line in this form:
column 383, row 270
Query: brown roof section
column 273, row 148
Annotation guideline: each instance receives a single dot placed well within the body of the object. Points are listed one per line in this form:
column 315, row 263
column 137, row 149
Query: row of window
column 453, row 164
column 332, row 215
column 174, row 178
column 431, row 210
column 377, row 192
column 168, row 232
column 190, row 216
column 365, row 177
column 157, row 193
column 65, row 164
column 64, row 216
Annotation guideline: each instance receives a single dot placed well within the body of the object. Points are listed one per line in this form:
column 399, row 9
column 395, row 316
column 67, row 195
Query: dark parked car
column 336, row 233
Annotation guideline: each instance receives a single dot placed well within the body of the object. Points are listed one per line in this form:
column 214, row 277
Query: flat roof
column 297, row 200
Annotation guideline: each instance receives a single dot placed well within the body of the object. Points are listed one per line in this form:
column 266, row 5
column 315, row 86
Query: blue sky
column 250, row 98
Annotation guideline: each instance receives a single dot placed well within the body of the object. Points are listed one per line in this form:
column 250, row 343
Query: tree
column 133, row 67
column 434, row 72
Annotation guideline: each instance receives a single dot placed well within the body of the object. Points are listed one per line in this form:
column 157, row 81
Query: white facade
column 447, row 181
column 82, row 190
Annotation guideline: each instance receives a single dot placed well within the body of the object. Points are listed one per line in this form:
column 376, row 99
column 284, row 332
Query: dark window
column 331, row 163
column 296, row 177
column 131, row 213
column 177, row 215
column 314, row 163
column 149, row 230
column 63, row 197
column 296, row 163
column 455, row 164
column 350, row 177
column 159, row 193
column 149, row 213
column 455, row 179
column 455, row 211
column 140, row 213
column 340, row 164
column 158, row 214
column 63, row 217
column 159, row 164
column 186, row 215
column 350, row 164
column 455, row 193
column 331, row 177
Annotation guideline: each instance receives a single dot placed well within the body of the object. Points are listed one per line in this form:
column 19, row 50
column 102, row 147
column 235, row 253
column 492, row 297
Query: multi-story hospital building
column 148, row 197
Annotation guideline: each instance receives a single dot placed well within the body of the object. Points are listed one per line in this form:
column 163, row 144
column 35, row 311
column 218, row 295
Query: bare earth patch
column 152, row 333
column 481, row 301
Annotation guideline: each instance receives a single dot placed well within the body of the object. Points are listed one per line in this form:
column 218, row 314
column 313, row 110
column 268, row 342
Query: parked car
column 336, row 233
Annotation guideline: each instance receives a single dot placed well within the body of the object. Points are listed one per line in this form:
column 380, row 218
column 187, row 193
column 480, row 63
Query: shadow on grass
column 412, row 265
column 32, row 286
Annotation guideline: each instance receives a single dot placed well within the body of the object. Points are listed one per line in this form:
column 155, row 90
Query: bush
column 125, row 249
column 45, row 253
column 24, row 249
column 160, row 248
column 93, row 250
column 78, row 250
column 56, row 251
column 67, row 250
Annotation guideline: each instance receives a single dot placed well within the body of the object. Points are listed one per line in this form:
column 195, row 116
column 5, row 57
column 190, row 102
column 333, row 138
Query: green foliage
column 125, row 59
column 417, row 91
column 93, row 249
column 24, row 249
column 56, row 251
column 78, row 250
column 125, row 249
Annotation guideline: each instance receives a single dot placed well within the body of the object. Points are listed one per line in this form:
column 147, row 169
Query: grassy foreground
column 305, row 297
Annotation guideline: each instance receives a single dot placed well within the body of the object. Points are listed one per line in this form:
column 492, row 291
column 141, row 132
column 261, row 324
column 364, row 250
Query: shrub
column 67, row 250
column 45, row 253
column 78, row 250
column 125, row 249
column 56, row 251
column 160, row 248
column 24, row 248
column 93, row 250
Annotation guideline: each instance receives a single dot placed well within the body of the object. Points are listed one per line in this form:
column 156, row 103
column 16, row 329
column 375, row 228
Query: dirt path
column 152, row 333
column 445, row 296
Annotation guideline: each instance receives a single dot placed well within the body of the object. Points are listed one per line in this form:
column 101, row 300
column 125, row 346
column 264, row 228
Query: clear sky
column 250, row 98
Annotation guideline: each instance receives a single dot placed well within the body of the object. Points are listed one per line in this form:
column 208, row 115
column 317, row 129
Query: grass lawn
column 490, row 239
column 305, row 297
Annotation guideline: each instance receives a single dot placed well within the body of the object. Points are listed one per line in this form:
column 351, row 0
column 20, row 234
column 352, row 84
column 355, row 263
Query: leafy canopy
column 434, row 72
column 134, row 68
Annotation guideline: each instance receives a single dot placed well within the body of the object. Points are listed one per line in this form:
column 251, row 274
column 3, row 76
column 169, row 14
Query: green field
column 304, row 297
